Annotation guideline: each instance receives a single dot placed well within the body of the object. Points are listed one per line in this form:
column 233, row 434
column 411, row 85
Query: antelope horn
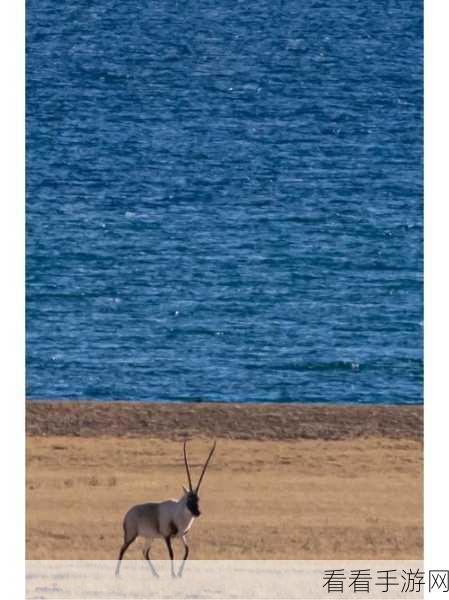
column 205, row 467
column 187, row 466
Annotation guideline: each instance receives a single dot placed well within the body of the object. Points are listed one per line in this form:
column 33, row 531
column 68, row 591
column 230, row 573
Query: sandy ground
column 289, row 482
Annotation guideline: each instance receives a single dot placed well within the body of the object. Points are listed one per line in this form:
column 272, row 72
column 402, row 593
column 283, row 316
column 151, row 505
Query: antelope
column 167, row 520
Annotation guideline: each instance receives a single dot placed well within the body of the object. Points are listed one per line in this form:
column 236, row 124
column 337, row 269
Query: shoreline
column 223, row 420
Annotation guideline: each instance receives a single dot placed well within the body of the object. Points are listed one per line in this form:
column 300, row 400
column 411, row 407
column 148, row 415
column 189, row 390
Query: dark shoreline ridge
column 233, row 421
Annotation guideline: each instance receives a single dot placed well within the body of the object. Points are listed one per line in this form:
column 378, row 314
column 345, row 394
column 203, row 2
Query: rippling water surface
column 224, row 200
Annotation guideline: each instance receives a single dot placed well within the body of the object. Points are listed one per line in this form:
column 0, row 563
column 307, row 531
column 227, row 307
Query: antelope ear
column 185, row 491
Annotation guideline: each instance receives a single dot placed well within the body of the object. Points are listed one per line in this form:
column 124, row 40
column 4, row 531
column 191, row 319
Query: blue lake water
column 224, row 200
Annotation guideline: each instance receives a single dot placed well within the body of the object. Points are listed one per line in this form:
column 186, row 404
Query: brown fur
column 173, row 528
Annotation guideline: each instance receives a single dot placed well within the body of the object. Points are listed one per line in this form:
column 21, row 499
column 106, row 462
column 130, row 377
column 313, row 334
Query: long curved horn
column 187, row 466
column 205, row 467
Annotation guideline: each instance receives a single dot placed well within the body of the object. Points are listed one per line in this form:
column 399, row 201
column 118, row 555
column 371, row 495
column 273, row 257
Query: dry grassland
column 261, row 499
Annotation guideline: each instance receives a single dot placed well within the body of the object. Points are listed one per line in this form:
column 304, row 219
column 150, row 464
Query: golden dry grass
column 261, row 499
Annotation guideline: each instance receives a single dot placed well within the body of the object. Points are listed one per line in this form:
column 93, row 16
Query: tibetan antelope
column 167, row 520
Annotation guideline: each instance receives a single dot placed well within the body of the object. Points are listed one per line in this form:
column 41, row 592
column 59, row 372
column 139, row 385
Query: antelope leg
column 123, row 549
column 170, row 552
column 146, row 554
column 186, row 554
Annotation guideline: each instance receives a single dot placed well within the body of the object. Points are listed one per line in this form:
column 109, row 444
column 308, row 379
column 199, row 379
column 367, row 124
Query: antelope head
column 191, row 495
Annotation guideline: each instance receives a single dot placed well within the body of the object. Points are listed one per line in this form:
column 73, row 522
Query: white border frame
column 436, row 296
column 12, row 260
column 12, row 18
